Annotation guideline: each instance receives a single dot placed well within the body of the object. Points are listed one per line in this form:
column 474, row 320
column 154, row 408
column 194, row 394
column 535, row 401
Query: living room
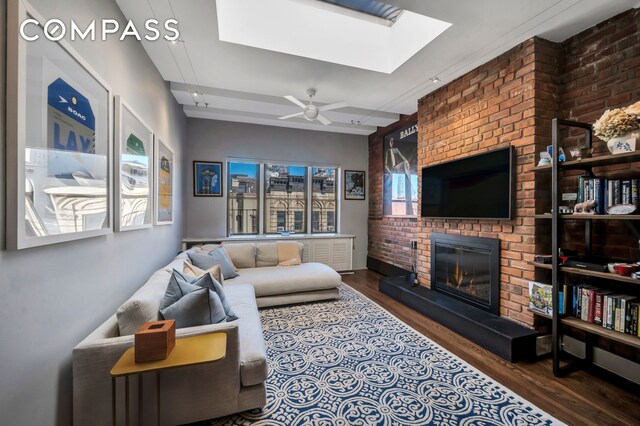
column 319, row 212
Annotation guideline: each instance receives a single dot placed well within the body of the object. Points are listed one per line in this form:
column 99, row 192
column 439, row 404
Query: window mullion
column 261, row 195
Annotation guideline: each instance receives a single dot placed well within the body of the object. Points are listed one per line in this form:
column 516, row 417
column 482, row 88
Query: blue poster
column 207, row 179
column 71, row 123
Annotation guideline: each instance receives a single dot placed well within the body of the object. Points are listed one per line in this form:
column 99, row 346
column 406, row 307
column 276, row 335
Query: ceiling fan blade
column 295, row 101
column 291, row 115
column 332, row 106
column 324, row 120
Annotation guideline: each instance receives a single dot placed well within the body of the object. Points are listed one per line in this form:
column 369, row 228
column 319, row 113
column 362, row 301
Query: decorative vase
column 624, row 143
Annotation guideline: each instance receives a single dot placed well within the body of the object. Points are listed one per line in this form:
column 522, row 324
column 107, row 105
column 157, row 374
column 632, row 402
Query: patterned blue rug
column 350, row 362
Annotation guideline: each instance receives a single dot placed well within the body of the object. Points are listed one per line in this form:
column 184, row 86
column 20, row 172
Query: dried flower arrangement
column 617, row 122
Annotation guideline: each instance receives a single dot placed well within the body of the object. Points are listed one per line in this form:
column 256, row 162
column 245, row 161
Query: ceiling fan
column 311, row 112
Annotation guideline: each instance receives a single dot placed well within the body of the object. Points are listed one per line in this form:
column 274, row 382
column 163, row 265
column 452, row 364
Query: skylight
column 370, row 7
column 329, row 30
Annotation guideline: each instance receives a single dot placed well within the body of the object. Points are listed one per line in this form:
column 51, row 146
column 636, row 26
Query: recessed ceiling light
column 435, row 79
column 196, row 93
column 176, row 42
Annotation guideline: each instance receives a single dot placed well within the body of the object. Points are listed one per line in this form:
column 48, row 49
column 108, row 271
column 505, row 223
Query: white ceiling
column 246, row 84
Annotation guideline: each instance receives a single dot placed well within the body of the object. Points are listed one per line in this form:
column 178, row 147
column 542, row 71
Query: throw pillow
column 199, row 307
column 177, row 288
column 288, row 253
column 207, row 281
column 216, row 257
column 192, row 270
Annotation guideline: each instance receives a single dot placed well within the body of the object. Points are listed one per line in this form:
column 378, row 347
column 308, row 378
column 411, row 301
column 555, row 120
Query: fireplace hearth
column 467, row 269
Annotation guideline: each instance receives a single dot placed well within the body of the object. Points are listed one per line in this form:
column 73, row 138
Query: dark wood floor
column 578, row 399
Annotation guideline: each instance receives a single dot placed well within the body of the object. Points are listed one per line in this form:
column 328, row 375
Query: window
column 281, row 220
column 267, row 198
column 298, row 221
column 285, row 198
column 331, row 221
column 324, row 200
column 242, row 199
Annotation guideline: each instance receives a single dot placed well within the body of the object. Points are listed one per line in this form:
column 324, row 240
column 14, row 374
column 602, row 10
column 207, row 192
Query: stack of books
column 608, row 192
column 595, row 305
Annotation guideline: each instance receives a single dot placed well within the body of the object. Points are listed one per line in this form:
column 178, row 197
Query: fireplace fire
column 467, row 268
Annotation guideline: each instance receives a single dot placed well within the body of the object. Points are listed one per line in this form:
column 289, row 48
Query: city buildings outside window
column 283, row 195
column 242, row 199
column 324, row 201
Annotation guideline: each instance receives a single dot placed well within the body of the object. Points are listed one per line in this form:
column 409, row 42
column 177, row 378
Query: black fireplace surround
column 465, row 295
column 468, row 269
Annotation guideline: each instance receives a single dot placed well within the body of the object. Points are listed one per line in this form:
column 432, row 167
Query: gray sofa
column 233, row 384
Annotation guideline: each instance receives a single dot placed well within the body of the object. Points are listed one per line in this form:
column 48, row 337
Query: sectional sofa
column 233, row 384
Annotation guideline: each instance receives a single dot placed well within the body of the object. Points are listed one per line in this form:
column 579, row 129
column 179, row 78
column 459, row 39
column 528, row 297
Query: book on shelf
column 613, row 311
column 608, row 192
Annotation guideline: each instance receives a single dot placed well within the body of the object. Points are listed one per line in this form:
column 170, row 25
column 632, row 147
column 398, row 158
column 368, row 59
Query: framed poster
column 164, row 178
column 400, row 184
column 207, row 179
column 354, row 185
column 59, row 140
column 134, row 170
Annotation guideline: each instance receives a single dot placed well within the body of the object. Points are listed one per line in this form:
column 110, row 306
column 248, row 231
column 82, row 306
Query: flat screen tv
column 476, row 187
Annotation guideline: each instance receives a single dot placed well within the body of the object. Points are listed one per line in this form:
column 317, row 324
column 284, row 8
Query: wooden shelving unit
column 589, row 216
column 557, row 270
column 587, row 273
column 599, row 330
column 588, row 163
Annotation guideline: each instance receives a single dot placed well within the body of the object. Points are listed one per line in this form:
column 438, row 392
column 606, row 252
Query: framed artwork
column 134, row 170
column 207, row 179
column 59, row 140
column 400, row 182
column 164, row 178
column 354, row 185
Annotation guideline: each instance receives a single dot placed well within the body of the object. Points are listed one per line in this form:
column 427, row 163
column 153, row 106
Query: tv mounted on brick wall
column 476, row 187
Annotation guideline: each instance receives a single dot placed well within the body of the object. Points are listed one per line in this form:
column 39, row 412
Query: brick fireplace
column 509, row 100
column 467, row 269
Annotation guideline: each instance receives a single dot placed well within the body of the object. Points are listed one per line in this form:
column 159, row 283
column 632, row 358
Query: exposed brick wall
column 600, row 71
column 511, row 100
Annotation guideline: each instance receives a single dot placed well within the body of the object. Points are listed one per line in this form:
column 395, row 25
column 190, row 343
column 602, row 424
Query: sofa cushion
column 198, row 307
column 272, row 280
column 216, row 257
column 144, row 305
column 288, row 253
column 192, row 270
column 243, row 255
column 253, row 355
column 266, row 254
column 207, row 281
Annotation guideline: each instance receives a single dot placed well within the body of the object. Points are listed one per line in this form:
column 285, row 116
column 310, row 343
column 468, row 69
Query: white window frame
column 309, row 191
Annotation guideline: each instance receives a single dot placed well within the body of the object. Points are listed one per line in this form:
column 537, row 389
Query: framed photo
column 134, row 170
column 164, row 178
column 355, row 185
column 59, row 140
column 207, row 179
column 400, row 165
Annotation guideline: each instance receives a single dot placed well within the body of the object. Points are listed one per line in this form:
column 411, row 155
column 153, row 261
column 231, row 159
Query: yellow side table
column 189, row 351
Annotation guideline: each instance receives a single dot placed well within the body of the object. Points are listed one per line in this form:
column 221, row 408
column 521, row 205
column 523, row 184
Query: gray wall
column 210, row 140
column 52, row 297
